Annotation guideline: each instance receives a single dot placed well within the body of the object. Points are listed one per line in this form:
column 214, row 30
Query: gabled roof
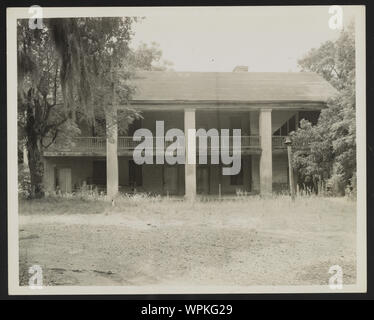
column 231, row 86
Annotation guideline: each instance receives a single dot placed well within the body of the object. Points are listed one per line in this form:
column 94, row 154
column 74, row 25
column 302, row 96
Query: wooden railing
column 278, row 143
column 89, row 143
column 127, row 143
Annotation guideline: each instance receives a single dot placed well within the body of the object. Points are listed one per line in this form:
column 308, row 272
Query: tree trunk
column 34, row 151
column 36, row 168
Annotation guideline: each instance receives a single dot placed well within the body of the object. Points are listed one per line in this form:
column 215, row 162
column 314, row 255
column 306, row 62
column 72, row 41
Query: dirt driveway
column 245, row 242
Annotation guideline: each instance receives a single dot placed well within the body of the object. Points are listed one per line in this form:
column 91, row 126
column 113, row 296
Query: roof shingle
column 231, row 86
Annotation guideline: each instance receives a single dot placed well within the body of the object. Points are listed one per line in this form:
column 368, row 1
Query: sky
column 266, row 39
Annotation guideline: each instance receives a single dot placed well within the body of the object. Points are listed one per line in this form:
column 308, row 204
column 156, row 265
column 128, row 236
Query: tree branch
column 54, row 125
column 53, row 139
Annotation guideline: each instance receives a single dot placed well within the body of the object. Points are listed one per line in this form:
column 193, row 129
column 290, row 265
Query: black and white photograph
column 186, row 150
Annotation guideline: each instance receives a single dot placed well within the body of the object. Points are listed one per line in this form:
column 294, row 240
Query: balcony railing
column 89, row 143
column 278, row 142
column 126, row 143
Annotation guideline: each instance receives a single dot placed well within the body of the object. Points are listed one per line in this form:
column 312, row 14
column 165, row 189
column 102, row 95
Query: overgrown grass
column 148, row 204
column 59, row 205
column 143, row 240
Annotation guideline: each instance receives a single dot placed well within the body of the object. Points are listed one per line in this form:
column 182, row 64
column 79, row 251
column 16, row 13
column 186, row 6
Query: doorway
column 64, row 180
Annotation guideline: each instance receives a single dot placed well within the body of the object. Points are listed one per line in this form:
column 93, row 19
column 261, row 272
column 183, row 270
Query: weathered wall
column 216, row 177
column 254, row 123
column 204, row 119
column 152, row 178
column 81, row 169
column 123, row 171
column 171, row 120
column 256, row 173
column 221, row 120
column 280, row 172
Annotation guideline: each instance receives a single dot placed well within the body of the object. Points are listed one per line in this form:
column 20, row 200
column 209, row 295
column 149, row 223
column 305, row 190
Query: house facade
column 265, row 106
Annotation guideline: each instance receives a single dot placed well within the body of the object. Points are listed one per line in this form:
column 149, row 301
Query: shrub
column 337, row 185
column 24, row 182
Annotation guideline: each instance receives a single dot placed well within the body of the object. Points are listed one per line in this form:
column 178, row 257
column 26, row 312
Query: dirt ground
column 141, row 242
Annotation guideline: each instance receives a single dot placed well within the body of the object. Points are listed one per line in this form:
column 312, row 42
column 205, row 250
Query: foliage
column 74, row 72
column 24, row 183
column 38, row 82
column 148, row 57
column 39, row 115
column 332, row 141
column 64, row 61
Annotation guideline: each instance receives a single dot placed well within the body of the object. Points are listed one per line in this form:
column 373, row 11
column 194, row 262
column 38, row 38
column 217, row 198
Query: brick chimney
column 240, row 69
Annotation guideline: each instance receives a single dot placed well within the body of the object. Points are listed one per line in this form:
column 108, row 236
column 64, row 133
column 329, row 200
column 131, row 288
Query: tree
column 57, row 68
column 149, row 58
column 333, row 140
column 38, row 114
column 67, row 58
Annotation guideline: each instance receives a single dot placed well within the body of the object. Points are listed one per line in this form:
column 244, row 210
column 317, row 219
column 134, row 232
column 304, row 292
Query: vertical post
column 266, row 163
column 111, row 153
column 290, row 169
column 190, row 166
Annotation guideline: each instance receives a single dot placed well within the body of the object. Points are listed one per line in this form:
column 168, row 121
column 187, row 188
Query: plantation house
column 265, row 106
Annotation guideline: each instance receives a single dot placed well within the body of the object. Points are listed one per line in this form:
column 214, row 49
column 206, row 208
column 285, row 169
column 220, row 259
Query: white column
column 111, row 153
column 266, row 170
column 190, row 169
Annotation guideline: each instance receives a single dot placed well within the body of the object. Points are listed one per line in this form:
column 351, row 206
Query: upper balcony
column 96, row 146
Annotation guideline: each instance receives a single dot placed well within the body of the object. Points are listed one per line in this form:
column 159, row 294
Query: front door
column 171, row 179
column 64, row 179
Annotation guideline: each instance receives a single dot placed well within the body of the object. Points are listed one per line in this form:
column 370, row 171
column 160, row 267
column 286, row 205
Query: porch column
column 190, row 166
column 266, row 170
column 111, row 154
